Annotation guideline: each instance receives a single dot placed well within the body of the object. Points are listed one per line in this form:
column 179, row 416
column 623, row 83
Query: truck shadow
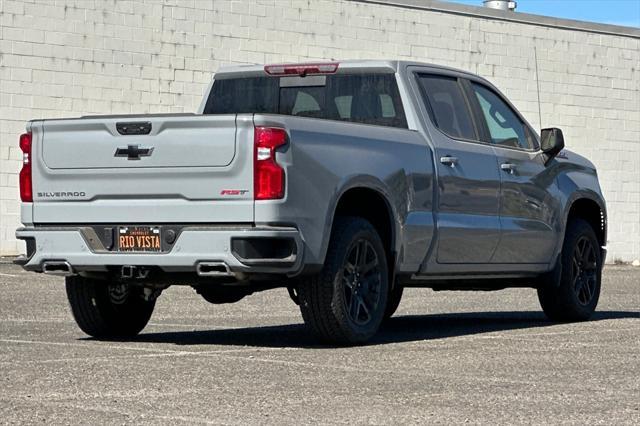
column 399, row 329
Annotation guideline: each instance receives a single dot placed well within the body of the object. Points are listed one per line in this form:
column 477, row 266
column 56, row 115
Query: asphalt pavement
column 446, row 357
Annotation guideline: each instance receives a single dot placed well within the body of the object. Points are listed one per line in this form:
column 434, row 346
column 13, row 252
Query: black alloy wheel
column 346, row 301
column 570, row 292
column 362, row 282
column 584, row 270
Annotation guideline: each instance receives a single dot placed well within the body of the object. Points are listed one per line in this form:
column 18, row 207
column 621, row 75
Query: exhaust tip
column 213, row 269
column 60, row 268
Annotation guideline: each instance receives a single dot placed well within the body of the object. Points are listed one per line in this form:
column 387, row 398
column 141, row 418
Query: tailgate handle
column 135, row 128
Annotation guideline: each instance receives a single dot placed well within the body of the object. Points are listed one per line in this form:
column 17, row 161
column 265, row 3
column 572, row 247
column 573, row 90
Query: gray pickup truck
column 342, row 182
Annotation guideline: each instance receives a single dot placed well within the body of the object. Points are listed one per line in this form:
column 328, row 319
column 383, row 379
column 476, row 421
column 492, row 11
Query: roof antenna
column 535, row 57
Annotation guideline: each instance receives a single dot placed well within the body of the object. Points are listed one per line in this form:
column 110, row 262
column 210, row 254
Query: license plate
column 139, row 238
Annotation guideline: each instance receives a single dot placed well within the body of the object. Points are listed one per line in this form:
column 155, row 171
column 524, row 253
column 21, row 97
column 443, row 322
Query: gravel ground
column 448, row 357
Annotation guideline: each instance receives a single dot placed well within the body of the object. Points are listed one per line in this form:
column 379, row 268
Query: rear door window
column 447, row 106
column 360, row 98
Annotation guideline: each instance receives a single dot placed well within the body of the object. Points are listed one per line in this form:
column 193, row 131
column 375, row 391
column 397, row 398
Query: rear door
column 467, row 175
column 526, row 203
column 144, row 169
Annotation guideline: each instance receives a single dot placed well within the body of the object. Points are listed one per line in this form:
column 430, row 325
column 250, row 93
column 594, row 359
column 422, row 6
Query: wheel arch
column 590, row 208
column 369, row 200
column 593, row 213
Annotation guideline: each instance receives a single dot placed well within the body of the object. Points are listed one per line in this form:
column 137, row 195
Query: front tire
column 573, row 293
column 345, row 303
column 108, row 310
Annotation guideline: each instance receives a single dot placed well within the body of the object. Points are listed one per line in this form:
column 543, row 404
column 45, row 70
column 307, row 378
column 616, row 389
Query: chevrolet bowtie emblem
column 133, row 152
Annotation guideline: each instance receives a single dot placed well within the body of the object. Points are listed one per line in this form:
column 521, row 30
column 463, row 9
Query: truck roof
column 346, row 65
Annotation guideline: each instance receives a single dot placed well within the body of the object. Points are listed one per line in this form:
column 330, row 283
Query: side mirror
column 551, row 142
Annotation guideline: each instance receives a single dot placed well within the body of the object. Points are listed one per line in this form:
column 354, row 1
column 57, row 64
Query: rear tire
column 345, row 303
column 103, row 310
column 573, row 291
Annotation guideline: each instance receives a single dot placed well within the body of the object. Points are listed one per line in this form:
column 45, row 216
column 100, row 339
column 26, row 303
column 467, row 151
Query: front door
column 526, row 205
column 468, row 226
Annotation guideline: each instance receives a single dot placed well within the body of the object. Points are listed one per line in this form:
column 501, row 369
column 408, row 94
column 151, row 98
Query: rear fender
column 365, row 182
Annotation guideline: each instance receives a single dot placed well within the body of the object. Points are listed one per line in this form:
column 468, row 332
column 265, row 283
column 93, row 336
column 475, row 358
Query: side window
column 447, row 106
column 505, row 127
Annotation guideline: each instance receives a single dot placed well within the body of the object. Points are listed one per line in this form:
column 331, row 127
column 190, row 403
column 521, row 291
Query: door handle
column 508, row 167
column 449, row 161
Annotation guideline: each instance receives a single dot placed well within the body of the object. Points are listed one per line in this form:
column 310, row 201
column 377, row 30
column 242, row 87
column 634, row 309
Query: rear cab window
column 359, row 98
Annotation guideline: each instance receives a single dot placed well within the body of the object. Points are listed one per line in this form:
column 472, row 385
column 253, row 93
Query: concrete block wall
column 73, row 57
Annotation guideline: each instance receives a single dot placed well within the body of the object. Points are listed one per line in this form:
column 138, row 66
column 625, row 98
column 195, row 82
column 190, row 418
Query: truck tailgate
column 143, row 169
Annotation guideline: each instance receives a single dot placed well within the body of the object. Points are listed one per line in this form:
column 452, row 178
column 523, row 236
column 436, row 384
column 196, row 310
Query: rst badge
column 230, row 192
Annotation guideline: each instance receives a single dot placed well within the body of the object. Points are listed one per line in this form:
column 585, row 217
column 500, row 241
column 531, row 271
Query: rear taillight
column 268, row 176
column 26, row 187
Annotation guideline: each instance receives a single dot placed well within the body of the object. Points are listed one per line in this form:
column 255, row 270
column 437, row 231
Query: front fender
column 576, row 180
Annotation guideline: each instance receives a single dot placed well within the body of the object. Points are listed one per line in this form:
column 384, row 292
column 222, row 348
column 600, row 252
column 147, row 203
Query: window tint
column 447, row 106
column 505, row 127
column 246, row 95
column 365, row 98
column 361, row 98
